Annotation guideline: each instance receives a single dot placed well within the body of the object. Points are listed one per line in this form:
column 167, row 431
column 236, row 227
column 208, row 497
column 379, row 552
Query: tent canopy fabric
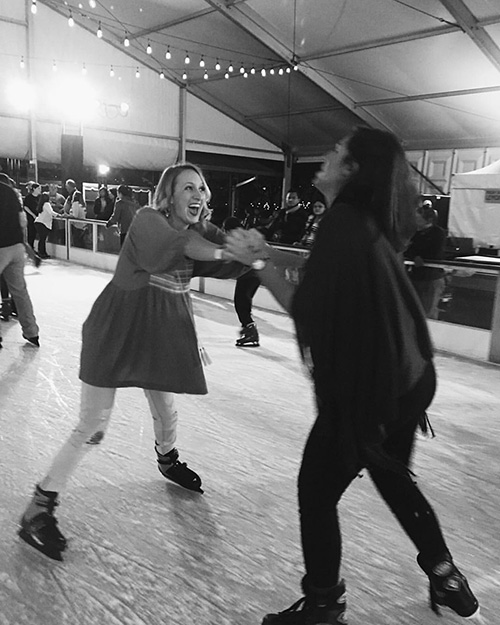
column 302, row 73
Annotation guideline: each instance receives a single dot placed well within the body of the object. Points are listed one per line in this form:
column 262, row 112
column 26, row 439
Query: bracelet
column 218, row 253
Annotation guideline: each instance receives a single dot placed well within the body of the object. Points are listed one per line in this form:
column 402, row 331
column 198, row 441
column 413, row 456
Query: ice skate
column 249, row 336
column 178, row 472
column 449, row 588
column 317, row 607
column 39, row 526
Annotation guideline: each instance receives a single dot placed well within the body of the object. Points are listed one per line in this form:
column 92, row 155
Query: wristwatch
column 259, row 264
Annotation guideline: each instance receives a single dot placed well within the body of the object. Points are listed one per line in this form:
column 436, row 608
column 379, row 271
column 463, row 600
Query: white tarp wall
column 475, row 205
column 145, row 135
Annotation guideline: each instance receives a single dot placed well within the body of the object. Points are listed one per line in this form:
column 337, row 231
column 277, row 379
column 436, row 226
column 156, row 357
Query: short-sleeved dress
column 140, row 331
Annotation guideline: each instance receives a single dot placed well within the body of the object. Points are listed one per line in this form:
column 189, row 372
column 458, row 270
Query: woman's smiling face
column 188, row 198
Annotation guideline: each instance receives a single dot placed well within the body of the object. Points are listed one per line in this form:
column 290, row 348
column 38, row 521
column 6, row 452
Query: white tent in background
column 475, row 205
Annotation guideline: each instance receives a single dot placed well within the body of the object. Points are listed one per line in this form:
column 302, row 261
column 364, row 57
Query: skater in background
column 361, row 329
column 30, row 205
column 245, row 288
column 140, row 332
column 124, row 211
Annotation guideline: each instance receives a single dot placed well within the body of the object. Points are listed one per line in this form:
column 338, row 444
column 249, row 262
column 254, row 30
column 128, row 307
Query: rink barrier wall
column 469, row 318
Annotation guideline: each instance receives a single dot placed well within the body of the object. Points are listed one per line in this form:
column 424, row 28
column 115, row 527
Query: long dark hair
column 382, row 185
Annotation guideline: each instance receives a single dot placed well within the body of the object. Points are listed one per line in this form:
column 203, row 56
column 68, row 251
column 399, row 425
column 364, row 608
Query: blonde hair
column 166, row 186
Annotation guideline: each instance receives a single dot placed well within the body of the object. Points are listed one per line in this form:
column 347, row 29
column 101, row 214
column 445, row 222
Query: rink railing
column 468, row 323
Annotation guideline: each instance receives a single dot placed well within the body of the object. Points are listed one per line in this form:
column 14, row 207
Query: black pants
column 323, row 479
column 43, row 233
column 31, row 230
column 245, row 289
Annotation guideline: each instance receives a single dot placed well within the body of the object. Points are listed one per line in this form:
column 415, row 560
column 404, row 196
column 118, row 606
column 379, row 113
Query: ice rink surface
column 146, row 552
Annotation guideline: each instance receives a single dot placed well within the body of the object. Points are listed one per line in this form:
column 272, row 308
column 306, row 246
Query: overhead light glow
column 103, row 170
column 74, row 99
column 21, row 95
column 92, row 4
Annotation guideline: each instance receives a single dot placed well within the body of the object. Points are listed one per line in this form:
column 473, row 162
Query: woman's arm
column 281, row 289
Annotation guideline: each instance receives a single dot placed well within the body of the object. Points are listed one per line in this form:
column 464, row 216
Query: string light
column 252, row 71
column 202, row 62
column 126, row 41
column 281, row 71
column 84, row 70
column 271, row 71
column 205, row 75
column 99, row 31
column 54, row 66
column 168, row 55
column 217, row 65
column 162, row 75
column 245, row 75
column 288, row 70
column 34, row 7
column 22, row 65
column 112, row 72
column 230, row 68
column 137, row 73
column 71, row 21
column 149, row 49
column 226, row 75
column 184, row 75
column 187, row 60
column 242, row 69
column 92, row 4
column 263, row 73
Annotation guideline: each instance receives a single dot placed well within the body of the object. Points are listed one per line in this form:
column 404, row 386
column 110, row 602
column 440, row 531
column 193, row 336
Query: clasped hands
column 246, row 246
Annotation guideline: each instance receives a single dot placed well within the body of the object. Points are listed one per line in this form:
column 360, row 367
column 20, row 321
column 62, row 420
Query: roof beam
column 470, row 25
column 429, row 96
column 251, row 22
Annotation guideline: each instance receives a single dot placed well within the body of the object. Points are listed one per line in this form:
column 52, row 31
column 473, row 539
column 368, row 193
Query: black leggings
column 323, row 479
column 246, row 286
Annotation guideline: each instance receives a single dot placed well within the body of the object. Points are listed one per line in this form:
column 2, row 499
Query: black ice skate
column 249, row 336
column 449, row 587
column 40, row 531
column 318, row 607
column 178, row 472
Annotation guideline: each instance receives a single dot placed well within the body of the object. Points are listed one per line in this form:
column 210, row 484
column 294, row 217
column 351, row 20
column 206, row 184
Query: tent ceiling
column 429, row 70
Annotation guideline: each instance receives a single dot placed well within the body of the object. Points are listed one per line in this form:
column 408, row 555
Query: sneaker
column 449, row 587
column 249, row 336
column 178, row 472
column 40, row 530
column 326, row 607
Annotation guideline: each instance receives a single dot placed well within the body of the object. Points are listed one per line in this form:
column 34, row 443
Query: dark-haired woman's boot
column 319, row 606
column 448, row 586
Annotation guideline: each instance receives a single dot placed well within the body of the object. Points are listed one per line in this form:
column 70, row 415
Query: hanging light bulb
column 22, row 63
column 168, row 55
column 226, row 75
column 54, row 66
column 295, row 67
column 245, row 75
column 71, row 21
column 271, row 71
column 263, row 73
column 34, row 7
column 112, row 72
column 281, row 71
column 149, row 49
column 205, row 75
column 230, row 68
column 137, row 73
column 187, row 60
column 242, row 69
column 217, row 65
column 184, row 75
column 252, row 71
column 162, row 75
column 99, row 31
column 202, row 62
column 126, row 41
column 84, row 70
column 288, row 70
column 92, row 4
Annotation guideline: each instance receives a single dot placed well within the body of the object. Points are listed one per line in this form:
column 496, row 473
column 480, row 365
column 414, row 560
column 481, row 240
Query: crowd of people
column 360, row 327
